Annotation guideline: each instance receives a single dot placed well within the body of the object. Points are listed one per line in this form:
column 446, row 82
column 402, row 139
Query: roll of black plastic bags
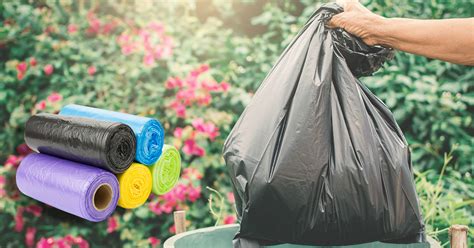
column 108, row 145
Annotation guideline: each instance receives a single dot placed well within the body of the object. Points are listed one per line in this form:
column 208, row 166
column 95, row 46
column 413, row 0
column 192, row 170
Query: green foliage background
column 240, row 40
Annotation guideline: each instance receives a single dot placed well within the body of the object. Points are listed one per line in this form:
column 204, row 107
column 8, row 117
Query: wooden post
column 458, row 236
column 180, row 221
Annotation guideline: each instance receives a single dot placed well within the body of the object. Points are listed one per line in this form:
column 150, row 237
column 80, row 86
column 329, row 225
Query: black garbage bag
column 316, row 158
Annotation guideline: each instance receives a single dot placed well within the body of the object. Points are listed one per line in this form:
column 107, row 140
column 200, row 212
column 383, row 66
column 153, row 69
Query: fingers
column 335, row 21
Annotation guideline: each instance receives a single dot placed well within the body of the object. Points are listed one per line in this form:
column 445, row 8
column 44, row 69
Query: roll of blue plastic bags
column 149, row 132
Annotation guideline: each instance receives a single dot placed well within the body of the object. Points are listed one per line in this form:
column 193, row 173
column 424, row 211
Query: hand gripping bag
column 316, row 158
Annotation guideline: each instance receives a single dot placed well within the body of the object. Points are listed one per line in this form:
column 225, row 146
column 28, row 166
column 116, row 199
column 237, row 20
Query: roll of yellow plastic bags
column 166, row 170
column 135, row 186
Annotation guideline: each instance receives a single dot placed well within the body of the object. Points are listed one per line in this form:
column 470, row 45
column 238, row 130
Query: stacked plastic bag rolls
column 84, row 161
column 148, row 131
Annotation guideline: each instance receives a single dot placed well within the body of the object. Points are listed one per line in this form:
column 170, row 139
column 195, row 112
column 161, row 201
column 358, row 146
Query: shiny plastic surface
column 166, row 170
column 67, row 185
column 135, row 186
column 109, row 145
column 316, row 158
column 148, row 132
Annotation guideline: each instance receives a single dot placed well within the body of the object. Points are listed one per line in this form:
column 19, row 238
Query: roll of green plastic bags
column 166, row 170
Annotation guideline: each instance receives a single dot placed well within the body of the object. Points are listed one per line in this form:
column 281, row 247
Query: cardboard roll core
column 102, row 197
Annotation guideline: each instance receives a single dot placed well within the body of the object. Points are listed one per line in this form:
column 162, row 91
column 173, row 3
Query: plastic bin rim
column 169, row 243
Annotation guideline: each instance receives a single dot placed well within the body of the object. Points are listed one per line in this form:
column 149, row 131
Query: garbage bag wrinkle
column 316, row 158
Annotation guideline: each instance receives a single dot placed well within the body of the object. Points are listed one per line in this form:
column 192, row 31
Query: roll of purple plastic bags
column 85, row 191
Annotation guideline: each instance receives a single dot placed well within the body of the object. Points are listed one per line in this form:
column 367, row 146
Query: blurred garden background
column 194, row 65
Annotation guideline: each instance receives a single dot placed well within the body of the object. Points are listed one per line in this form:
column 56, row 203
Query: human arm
column 450, row 40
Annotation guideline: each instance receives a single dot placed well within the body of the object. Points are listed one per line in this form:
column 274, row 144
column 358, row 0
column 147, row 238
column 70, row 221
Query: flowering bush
column 119, row 63
column 195, row 72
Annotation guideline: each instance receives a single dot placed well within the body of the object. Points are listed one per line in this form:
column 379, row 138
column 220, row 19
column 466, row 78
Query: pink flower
column 21, row 67
column 123, row 38
column 194, row 193
column 45, row 243
column 180, row 110
column 2, row 183
column 231, row 197
column 34, row 209
column 157, row 51
column 158, row 27
column 178, row 132
column 13, row 160
column 173, row 83
column 72, row 28
column 155, row 208
column 30, row 236
column 168, row 41
column 186, row 95
column 167, row 208
column 62, row 243
column 191, row 148
column 69, row 239
column 207, row 128
column 204, row 68
column 91, row 70
column 54, row 97
column 178, row 193
column 198, row 124
column 94, row 23
column 23, row 149
column 81, row 243
column 148, row 59
column 108, row 27
column 204, row 100
column 67, row 242
column 191, row 81
column 166, row 51
column 41, row 105
column 48, row 69
column 33, row 61
column 172, row 229
column 20, row 75
column 19, row 222
column 154, row 241
column 225, row 86
column 229, row 219
column 112, row 224
column 145, row 35
column 210, row 85
column 128, row 49
column 198, row 71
